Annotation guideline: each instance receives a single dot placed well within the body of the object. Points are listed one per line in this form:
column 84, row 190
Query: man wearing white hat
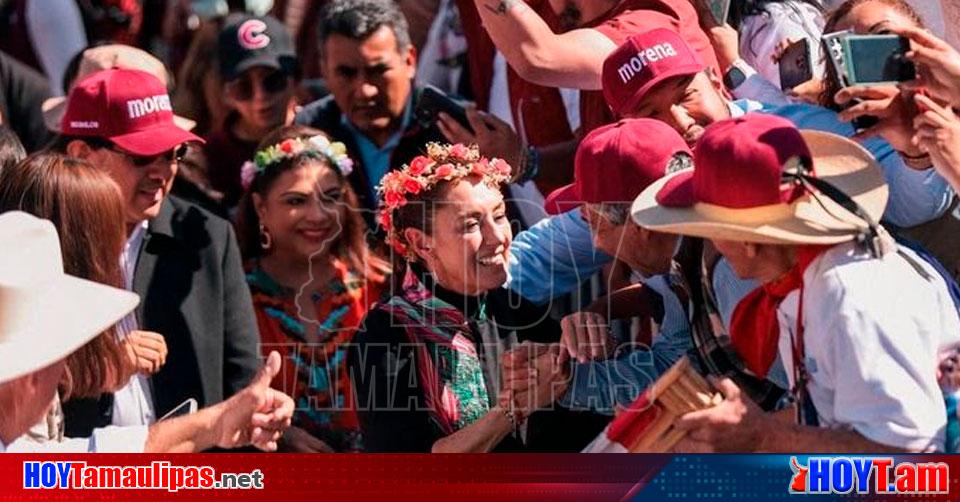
column 46, row 314
column 861, row 356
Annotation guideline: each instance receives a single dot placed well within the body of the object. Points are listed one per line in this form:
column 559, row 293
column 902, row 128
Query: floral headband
column 318, row 146
column 442, row 163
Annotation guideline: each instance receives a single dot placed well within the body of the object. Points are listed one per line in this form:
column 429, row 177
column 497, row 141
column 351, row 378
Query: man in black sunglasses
column 183, row 261
column 260, row 71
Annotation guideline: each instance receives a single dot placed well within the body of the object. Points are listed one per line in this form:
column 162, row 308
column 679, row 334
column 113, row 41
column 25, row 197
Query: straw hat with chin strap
column 759, row 179
column 45, row 314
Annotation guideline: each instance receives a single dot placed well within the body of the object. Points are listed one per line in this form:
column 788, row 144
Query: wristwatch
column 736, row 74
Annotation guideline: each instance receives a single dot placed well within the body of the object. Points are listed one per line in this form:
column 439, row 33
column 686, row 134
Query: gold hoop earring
column 265, row 239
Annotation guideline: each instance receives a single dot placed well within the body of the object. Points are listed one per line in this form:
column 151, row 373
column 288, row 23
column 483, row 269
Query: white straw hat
column 45, row 314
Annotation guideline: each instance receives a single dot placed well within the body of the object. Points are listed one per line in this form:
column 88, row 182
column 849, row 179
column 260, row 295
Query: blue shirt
column 916, row 197
column 376, row 159
column 553, row 257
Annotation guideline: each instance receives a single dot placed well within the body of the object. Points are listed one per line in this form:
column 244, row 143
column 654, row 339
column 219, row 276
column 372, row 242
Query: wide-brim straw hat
column 811, row 218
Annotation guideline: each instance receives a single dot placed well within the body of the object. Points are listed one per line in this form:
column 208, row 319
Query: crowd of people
column 473, row 225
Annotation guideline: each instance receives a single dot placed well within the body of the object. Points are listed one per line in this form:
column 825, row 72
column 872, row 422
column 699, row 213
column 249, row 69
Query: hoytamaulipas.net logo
column 159, row 475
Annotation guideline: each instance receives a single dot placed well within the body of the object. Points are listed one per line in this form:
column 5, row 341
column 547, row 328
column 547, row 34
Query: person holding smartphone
column 766, row 25
column 936, row 125
column 896, row 107
column 751, row 42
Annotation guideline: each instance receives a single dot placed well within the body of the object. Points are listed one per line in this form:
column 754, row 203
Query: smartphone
column 796, row 66
column 833, row 47
column 432, row 101
column 877, row 59
column 185, row 408
column 720, row 10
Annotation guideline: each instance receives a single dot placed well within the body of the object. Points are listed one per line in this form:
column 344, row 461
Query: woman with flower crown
column 312, row 278
column 428, row 362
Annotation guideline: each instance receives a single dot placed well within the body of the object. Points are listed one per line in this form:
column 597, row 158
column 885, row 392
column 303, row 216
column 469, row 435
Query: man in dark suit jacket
column 369, row 64
column 182, row 260
column 190, row 277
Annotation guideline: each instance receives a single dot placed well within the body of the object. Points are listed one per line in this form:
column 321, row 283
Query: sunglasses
column 241, row 89
column 176, row 154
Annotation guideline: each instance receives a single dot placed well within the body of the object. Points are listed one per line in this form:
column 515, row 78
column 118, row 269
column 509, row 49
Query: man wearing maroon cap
column 589, row 30
column 183, row 261
column 657, row 74
column 798, row 211
column 613, row 165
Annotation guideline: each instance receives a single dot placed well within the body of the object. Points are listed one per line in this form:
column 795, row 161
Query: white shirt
column 874, row 331
column 110, row 439
column 133, row 403
column 103, row 440
column 761, row 34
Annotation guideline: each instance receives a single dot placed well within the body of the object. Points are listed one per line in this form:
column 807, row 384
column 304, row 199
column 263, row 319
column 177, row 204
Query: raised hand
column 146, row 352
column 938, row 134
column 257, row 415
column 494, row 137
column 585, row 336
column 938, row 65
column 893, row 108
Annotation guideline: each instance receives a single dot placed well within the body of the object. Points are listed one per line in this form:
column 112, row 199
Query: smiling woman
column 428, row 361
column 311, row 276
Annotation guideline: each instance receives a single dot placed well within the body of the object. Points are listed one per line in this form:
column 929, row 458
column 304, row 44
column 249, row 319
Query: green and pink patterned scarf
column 448, row 367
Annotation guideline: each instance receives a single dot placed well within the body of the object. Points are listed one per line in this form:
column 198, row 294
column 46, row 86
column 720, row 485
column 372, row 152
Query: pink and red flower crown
column 441, row 163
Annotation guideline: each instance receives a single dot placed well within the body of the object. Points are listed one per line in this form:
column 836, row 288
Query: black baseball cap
column 247, row 41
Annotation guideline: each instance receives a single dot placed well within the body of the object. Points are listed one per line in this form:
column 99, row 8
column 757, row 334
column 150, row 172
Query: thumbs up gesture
column 258, row 414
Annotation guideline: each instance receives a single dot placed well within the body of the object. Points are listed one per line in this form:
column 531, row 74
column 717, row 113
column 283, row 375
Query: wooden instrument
column 678, row 391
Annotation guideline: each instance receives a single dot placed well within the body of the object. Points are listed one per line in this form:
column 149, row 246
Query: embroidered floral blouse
column 314, row 368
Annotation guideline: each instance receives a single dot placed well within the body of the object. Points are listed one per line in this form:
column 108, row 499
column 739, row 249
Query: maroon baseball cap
column 131, row 108
column 740, row 165
column 616, row 162
column 642, row 62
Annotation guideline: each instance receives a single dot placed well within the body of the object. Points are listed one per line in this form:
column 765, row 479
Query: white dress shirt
column 133, row 403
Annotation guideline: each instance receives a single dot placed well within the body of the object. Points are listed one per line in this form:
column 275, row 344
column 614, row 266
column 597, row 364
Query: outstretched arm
column 573, row 59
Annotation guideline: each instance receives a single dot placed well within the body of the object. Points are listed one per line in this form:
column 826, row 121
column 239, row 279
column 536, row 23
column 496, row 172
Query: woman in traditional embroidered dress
column 311, row 276
column 427, row 362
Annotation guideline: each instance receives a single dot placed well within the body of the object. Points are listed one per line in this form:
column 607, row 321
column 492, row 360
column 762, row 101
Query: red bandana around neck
column 754, row 329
